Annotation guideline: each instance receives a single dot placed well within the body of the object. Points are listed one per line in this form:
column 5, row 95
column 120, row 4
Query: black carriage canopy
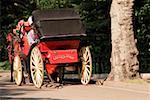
column 58, row 23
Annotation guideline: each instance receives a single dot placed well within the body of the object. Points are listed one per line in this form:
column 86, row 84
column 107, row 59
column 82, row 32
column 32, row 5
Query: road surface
column 108, row 91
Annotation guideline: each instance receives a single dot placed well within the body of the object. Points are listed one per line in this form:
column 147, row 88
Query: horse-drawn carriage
column 48, row 41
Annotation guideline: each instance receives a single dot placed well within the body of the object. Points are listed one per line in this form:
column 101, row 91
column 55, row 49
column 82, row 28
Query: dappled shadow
column 75, row 82
column 8, row 90
column 8, row 98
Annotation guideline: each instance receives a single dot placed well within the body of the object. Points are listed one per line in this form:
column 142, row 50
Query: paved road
column 109, row 91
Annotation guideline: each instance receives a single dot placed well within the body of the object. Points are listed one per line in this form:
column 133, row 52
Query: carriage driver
column 30, row 32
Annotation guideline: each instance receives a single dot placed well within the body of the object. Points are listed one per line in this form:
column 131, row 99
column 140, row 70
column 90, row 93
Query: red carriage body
column 55, row 35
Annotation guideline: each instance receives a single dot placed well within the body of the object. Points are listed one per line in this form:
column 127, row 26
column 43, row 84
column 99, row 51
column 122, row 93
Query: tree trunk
column 124, row 63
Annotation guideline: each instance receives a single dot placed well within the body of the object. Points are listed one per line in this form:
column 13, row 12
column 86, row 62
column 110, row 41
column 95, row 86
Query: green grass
column 4, row 65
column 136, row 81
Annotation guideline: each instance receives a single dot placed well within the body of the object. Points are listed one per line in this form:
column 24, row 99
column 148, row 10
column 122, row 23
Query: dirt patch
column 4, row 75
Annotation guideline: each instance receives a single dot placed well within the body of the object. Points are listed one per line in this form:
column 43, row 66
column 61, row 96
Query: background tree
column 11, row 12
column 124, row 63
column 142, row 30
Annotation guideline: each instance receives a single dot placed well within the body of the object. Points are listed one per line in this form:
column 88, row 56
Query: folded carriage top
column 58, row 23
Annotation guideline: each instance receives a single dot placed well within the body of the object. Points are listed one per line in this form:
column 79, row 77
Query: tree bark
column 124, row 62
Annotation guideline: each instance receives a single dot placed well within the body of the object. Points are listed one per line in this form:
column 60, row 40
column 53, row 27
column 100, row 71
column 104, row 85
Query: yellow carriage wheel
column 36, row 67
column 17, row 70
column 86, row 60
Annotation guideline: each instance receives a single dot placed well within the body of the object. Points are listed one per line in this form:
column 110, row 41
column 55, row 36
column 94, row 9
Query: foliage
column 4, row 65
column 12, row 11
column 142, row 27
column 95, row 15
column 50, row 4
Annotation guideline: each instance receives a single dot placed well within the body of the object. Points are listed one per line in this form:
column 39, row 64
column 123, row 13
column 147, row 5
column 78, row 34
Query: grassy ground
column 4, row 65
column 136, row 81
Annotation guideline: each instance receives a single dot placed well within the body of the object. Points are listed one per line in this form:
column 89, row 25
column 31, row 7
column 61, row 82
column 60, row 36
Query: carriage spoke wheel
column 36, row 67
column 17, row 70
column 86, row 70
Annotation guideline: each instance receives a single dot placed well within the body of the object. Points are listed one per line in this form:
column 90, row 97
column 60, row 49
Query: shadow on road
column 8, row 90
column 8, row 98
column 75, row 82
